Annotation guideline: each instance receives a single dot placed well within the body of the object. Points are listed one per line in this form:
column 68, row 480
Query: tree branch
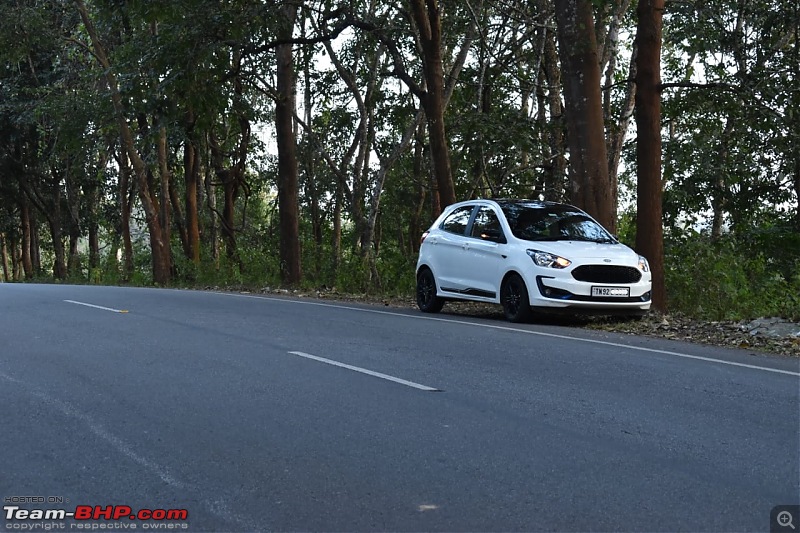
column 692, row 85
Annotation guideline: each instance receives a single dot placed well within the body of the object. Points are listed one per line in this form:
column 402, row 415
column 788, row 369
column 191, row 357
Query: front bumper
column 566, row 292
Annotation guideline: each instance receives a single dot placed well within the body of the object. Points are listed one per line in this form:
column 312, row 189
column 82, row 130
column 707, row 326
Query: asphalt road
column 237, row 409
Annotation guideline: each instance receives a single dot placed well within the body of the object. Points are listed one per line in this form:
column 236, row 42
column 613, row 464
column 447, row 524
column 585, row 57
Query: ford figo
column 529, row 256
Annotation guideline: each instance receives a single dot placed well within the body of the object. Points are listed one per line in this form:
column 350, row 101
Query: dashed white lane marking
column 368, row 372
column 96, row 306
column 526, row 331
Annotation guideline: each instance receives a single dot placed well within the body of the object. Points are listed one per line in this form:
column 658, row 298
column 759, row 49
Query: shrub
column 730, row 278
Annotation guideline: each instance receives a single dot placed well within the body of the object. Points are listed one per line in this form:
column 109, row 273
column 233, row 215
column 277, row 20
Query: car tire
column 427, row 301
column 515, row 301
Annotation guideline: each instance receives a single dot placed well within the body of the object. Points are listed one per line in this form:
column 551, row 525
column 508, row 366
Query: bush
column 731, row 278
column 355, row 275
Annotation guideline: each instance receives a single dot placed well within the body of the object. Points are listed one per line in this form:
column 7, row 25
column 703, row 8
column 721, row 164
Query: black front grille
column 607, row 274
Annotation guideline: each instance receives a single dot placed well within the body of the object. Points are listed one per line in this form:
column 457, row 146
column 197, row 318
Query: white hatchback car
column 529, row 256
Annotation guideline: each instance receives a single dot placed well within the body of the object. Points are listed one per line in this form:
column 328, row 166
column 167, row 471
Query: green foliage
column 733, row 138
column 203, row 70
column 626, row 227
column 732, row 278
column 395, row 274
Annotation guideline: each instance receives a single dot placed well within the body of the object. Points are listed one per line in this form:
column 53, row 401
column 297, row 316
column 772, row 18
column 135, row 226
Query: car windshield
column 544, row 222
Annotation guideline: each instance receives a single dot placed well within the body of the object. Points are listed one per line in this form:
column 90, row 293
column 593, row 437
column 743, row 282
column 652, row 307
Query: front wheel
column 515, row 301
column 427, row 300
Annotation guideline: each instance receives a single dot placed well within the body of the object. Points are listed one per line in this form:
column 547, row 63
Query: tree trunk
column 164, row 216
column 315, row 211
column 25, row 220
column 616, row 129
column 93, row 228
column 796, row 105
column 415, row 224
column 589, row 186
column 230, row 190
column 94, row 247
column 557, row 168
column 73, row 222
column 60, row 265
column 649, row 229
column 54, row 222
column 366, row 223
column 797, row 182
column 619, row 129
column 73, row 235
column 211, row 200
column 15, row 260
column 336, row 238
column 427, row 17
column 36, row 248
column 4, row 257
column 177, row 216
column 719, row 195
column 312, row 190
column 74, row 258
column 125, row 202
column 232, row 177
column 288, row 195
column 162, row 272
column 316, row 216
column 191, row 175
column 51, row 208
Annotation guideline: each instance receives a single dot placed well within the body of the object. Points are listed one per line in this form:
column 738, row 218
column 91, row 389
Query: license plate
column 611, row 292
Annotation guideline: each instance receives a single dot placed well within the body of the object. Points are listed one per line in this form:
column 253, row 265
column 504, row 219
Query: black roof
column 502, row 202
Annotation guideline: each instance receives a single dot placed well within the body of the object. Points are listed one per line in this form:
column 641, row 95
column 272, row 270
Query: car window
column 456, row 222
column 553, row 223
column 486, row 224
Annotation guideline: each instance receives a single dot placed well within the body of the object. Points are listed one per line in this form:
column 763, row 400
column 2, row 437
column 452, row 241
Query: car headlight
column 644, row 266
column 544, row 259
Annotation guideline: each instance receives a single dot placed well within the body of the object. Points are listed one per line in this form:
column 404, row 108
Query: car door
column 449, row 249
column 485, row 254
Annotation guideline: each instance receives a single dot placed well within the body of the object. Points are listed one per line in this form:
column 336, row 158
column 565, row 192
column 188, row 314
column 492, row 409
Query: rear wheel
column 515, row 301
column 427, row 300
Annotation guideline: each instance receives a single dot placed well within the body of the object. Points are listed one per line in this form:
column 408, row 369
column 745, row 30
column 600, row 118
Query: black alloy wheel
column 427, row 300
column 515, row 301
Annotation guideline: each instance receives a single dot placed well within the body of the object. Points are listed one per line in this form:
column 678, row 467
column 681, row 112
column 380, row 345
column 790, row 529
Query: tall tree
column 729, row 99
column 428, row 19
column 649, row 232
column 588, row 168
column 160, row 247
column 288, row 188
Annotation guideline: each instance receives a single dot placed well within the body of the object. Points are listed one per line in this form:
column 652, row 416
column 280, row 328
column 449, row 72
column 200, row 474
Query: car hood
column 581, row 250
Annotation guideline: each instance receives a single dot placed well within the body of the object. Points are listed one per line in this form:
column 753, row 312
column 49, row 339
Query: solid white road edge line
column 121, row 446
column 518, row 330
column 216, row 507
column 365, row 371
column 97, row 306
